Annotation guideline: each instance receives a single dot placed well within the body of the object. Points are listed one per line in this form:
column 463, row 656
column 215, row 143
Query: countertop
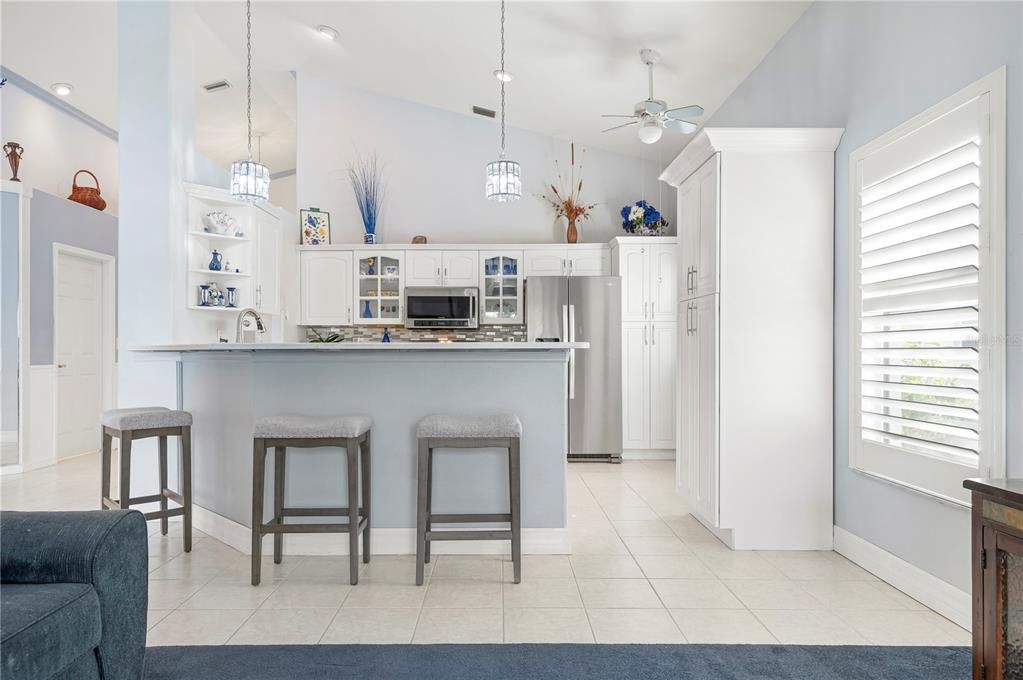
column 366, row 346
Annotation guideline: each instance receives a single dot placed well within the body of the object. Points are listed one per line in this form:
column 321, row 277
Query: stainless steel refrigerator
column 584, row 309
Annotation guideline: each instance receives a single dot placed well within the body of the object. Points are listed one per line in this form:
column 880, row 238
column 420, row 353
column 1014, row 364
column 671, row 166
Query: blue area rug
column 556, row 662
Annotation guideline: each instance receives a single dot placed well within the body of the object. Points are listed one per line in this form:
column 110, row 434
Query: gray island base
column 227, row 386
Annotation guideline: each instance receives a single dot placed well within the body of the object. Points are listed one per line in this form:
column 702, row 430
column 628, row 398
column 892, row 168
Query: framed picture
column 315, row 227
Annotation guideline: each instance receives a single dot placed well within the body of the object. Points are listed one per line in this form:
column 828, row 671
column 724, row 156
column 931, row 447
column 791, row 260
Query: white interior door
column 78, row 326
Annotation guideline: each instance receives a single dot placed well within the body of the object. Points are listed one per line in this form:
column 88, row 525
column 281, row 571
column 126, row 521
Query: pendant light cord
column 503, row 75
column 248, row 70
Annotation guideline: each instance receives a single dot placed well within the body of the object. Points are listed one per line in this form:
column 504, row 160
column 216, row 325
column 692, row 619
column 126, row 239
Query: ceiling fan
column 653, row 115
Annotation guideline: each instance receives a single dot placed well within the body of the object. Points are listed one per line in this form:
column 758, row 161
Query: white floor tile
column 462, row 594
column 301, row 594
column 283, row 627
column 461, row 626
column 605, row 566
column 722, row 627
column 618, row 593
column 550, row 625
column 371, row 627
column 634, row 626
column 656, row 545
column 540, row 566
column 772, row 594
column 468, row 567
column 542, row 592
column 197, row 627
column 888, row 627
column 385, row 596
column 695, row 594
column 673, row 566
column 808, row 627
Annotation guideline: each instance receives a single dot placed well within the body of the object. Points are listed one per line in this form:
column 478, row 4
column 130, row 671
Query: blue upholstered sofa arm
column 107, row 549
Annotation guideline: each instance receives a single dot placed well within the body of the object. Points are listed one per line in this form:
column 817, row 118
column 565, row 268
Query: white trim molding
column 386, row 541
column 944, row 598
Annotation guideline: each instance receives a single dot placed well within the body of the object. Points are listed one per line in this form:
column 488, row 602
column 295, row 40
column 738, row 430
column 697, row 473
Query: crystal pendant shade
column 250, row 181
column 504, row 181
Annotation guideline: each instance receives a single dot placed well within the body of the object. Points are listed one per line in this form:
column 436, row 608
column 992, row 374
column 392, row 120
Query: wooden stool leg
column 163, row 483
column 104, row 484
column 258, row 474
column 279, row 466
column 516, row 507
column 423, row 485
column 352, row 455
column 366, row 485
column 429, row 499
column 124, row 481
column 185, row 471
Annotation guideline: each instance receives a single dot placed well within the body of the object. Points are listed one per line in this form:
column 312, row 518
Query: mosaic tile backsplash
column 402, row 334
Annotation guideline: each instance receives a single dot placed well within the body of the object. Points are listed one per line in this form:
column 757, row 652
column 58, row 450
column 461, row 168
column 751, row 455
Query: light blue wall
column 867, row 67
column 9, row 311
column 57, row 220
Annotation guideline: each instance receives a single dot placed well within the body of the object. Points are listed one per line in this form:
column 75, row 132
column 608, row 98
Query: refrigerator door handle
column 564, row 323
column 571, row 352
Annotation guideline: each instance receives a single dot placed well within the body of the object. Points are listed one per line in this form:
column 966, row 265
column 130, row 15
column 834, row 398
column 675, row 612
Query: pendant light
column 250, row 180
column 504, row 178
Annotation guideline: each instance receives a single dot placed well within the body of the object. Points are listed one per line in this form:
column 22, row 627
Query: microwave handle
column 472, row 308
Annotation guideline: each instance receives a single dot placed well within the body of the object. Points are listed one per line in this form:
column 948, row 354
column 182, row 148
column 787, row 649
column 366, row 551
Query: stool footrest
column 318, row 512
column 173, row 495
column 468, row 517
column 469, row 535
column 158, row 514
column 275, row 527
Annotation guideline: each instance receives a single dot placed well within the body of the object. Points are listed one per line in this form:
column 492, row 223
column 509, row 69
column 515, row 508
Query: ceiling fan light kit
column 653, row 115
column 250, row 180
column 504, row 177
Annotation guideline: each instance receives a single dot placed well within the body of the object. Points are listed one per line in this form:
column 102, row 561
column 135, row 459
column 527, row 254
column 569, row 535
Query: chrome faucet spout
column 243, row 323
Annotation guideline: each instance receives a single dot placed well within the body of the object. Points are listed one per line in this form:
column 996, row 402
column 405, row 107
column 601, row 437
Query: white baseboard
column 942, row 597
column 384, row 541
column 648, row 454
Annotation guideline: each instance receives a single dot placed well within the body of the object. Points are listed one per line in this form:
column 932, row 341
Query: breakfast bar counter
column 227, row 386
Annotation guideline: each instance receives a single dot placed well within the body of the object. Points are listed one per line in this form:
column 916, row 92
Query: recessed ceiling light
column 502, row 75
column 61, row 89
column 326, row 32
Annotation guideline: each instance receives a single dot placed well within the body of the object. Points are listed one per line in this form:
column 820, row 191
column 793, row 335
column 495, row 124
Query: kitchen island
column 227, row 386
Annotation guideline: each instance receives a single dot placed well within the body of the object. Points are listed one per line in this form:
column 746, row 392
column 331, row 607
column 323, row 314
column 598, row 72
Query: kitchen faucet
column 243, row 323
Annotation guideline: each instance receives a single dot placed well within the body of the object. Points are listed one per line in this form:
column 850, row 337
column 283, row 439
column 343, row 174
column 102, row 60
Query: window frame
column 936, row 477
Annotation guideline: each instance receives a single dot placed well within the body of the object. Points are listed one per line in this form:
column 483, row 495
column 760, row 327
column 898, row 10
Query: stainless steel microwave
column 441, row 307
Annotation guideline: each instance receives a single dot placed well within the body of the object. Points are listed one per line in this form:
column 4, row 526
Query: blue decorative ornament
column 367, row 311
column 216, row 263
column 387, row 335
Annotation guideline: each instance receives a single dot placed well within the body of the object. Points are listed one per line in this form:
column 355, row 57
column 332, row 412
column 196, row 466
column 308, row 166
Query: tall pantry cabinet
column 755, row 339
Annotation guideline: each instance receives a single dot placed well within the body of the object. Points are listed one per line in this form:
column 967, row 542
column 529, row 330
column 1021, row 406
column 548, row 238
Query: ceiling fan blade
column 631, row 122
column 616, row 115
column 683, row 126
column 684, row 112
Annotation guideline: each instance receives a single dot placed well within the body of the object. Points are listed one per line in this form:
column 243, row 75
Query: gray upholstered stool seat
column 502, row 431
column 501, row 425
column 312, row 427
column 148, row 418
column 349, row 433
column 132, row 424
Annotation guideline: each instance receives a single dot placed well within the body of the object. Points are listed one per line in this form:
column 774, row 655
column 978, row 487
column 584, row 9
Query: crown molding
column 26, row 85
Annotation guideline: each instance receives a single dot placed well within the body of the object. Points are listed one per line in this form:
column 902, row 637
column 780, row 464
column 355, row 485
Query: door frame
column 109, row 349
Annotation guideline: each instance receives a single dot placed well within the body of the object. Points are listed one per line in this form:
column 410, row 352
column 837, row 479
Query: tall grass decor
column 368, row 184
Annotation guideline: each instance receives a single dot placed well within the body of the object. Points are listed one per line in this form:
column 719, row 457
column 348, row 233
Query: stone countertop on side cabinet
column 365, row 346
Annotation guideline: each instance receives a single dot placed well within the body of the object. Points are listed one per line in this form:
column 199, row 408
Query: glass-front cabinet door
column 501, row 275
column 378, row 285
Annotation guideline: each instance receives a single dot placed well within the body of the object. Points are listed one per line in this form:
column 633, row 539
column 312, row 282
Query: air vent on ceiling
column 217, row 86
column 479, row 110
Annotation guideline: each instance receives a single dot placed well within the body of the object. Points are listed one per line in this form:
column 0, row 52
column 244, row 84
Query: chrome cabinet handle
column 696, row 279
column 645, row 342
column 653, row 337
column 259, row 297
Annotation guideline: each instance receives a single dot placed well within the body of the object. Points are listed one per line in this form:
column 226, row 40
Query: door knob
column 61, row 365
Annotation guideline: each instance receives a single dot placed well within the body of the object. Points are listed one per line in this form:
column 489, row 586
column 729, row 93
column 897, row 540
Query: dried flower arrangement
column 568, row 203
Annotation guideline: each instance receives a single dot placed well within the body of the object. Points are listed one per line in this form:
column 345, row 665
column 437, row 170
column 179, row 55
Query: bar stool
column 351, row 433
column 130, row 424
column 467, row 432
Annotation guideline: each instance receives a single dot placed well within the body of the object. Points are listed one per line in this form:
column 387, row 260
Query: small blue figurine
column 387, row 335
column 217, row 262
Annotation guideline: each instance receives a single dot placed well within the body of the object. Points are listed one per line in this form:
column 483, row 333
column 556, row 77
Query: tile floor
column 642, row 571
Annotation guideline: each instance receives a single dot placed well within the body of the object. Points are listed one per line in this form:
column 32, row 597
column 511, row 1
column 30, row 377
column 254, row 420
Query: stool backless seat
column 132, row 424
column 351, row 433
column 503, row 431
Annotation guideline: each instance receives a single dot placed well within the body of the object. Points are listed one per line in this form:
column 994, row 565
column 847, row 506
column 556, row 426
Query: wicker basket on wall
column 87, row 195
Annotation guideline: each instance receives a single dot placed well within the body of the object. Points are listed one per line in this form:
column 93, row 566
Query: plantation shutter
column 918, row 234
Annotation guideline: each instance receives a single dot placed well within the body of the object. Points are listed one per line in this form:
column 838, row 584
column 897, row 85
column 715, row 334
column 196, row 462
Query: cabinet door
column 424, row 267
column 546, row 262
column 635, row 385
column 705, row 329
column 379, row 284
column 461, row 268
column 589, row 261
column 688, row 235
column 688, row 428
column 663, row 286
column 632, row 267
column 268, row 264
column 663, row 348
column 326, row 288
column 501, row 289
column 707, row 261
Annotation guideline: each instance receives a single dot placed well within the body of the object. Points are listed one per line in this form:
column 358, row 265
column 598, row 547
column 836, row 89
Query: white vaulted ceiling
column 572, row 61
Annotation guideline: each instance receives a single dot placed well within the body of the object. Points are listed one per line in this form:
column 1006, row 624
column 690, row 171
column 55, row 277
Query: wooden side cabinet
column 997, row 578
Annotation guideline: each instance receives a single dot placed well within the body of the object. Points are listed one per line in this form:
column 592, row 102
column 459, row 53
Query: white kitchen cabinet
column 546, row 262
column 326, row 288
column 699, row 216
column 647, row 267
column 635, row 385
column 755, row 388
column 663, row 351
column 268, row 263
column 501, row 292
column 442, row 268
column 588, row 260
column 379, row 284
